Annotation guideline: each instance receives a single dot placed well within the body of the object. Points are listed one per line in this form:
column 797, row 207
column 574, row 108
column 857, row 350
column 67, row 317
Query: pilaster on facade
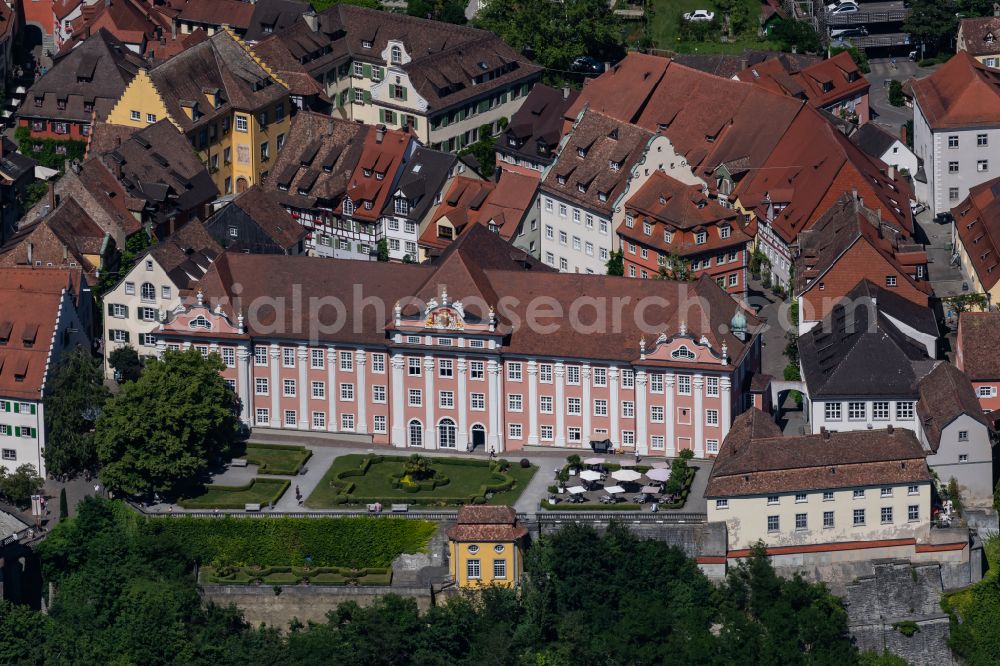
column 462, row 437
column 641, row 414
column 275, row 387
column 361, row 394
column 495, row 437
column 430, row 431
column 560, row 379
column 725, row 393
column 397, row 396
column 332, row 393
column 697, row 387
column 304, row 422
column 614, row 405
column 532, row 403
column 588, row 404
column 670, row 383
column 243, row 374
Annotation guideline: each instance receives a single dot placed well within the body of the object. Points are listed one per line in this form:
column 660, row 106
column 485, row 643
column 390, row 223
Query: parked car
column 843, row 8
column 699, row 15
column 859, row 31
column 916, row 208
column 587, row 65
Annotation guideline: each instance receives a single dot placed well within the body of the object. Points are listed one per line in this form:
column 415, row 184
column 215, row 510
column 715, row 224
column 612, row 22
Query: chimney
column 173, row 29
column 566, row 92
column 379, row 133
column 52, row 197
column 891, row 172
column 312, row 19
column 889, row 429
column 902, row 134
column 996, row 9
column 31, row 253
column 826, row 433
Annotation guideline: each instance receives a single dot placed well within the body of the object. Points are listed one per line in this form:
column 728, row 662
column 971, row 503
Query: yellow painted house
column 233, row 109
column 486, row 547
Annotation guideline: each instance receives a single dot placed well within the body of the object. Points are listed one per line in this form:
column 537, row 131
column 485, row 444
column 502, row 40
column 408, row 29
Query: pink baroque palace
column 484, row 348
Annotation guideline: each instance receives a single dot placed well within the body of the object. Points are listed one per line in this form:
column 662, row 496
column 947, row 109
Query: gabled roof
column 486, row 524
column 980, row 35
column 538, row 123
column 822, row 83
column 752, row 464
column 382, row 156
column 610, row 149
column 977, row 340
column 270, row 16
column 263, row 209
column 186, row 255
column 85, row 81
column 873, row 140
column 960, row 93
column 857, row 351
column 220, row 63
column 848, row 221
column 67, row 235
column 32, row 303
column 423, row 177
column 945, row 394
column 977, row 222
column 215, row 13
column 920, row 318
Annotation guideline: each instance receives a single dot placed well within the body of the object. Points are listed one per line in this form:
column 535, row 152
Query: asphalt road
column 884, row 114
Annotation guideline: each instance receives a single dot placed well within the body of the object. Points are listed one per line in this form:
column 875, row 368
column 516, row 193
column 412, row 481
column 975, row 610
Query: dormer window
column 366, row 44
column 683, row 352
column 668, row 237
column 700, row 238
column 989, row 38
column 367, row 172
column 61, row 103
column 603, row 196
column 581, row 152
column 396, row 55
column 827, row 86
column 614, row 166
column 629, row 220
column 39, row 99
column 368, row 205
column 724, row 231
column 647, row 228
column 580, row 187
column 561, row 180
column 379, row 175
column 348, row 207
column 200, row 322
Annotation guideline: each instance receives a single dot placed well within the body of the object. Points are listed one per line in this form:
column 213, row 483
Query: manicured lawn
column 276, row 458
column 467, row 478
column 664, row 28
column 259, row 491
column 295, row 575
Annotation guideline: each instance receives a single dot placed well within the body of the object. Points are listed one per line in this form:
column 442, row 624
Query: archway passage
column 446, row 434
column 241, row 185
column 478, row 436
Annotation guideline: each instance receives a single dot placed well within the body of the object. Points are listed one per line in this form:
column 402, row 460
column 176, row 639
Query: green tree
column 35, row 192
column 675, row 268
column 554, row 33
column 418, row 468
column 163, row 430
column 321, row 5
column 126, row 362
column 449, row 11
column 63, row 505
column 932, row 23
column 382, row 250
column 797, row 35
column 616, row 263
column 135, row 245
column 896, row 93
column 22, row 634
column 18, row 486
column 484, row 151
column 76, row 395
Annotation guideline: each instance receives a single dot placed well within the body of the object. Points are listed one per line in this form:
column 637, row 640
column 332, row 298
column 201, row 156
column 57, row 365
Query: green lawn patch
column 358, row 543
column 365, row 479
column 664, row 28
column 277, row 458
column 259, row 491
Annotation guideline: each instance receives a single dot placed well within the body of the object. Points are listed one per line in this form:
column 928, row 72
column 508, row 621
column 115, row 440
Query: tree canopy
column 75, row 398
column 449, row 11
column 126, row 362
column 931, row 22
column 797, row 35
column 163, row 430
column 554, row 33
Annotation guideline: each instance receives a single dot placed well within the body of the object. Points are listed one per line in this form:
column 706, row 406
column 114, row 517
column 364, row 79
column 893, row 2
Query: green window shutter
column 381, row 115
column 6, row 406
column 109, row 309
column 402, row 93
column 17, row 431
column 34, row 432
column 484, row 106
column 32, row 408
column 126, row 336
column 413, row 122
column 367, row 97
column 366, row 71
column 381, row 72
column 17, row 408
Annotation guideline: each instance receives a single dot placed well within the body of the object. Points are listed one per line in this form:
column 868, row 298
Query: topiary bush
column 525, row 463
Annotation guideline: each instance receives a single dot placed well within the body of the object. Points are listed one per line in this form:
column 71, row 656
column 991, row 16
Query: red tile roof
column 977, row 222
column 977, row 345
column 979, row 36
column 32, row 303
column 381, row 159
column 961, row 93
column 822, row 84
column 486, row 524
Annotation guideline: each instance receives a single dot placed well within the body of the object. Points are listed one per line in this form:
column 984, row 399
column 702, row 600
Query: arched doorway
column 478, row 436
column 446, row 434
column 415, row 436
column 241, row 185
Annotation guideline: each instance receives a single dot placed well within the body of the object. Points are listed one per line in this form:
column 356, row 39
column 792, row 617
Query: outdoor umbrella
column 660, row 465
column 649, row 490
column 627, row 463
column 614, row 490
column 590, row 475
column 576, row 490
column 593, row 461
column 626, row 475
column 658, row 474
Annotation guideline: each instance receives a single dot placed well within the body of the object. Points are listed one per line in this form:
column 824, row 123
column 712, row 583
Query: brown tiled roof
column 977, row 222
column 215, row 12
column 603, row 141
column 7, row 21
column 31, row 305
column 85, row 81
column 729, row 65
column 494, row 270
column 186, row 255
column 263, row 208
column 131, row 21
column 486, row 523
column 845, row 223
column 980, row 36
column 445, row 57
column 55, row 240
column 472, row 201
column 960, row 93
column 105, row 137
column 839, row 72
column 382, row 154
column 219, row 63
column 977, row 340
column 537, row 126
column 461, row 204
column 275, row 53
column 945, row 394
column 751, row 463
column 314, row 168
column 271, row 16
